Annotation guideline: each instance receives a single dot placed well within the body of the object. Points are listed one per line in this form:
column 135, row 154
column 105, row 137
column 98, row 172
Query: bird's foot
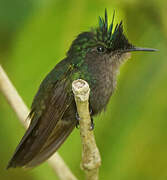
column 92, row 124
column 77, row 118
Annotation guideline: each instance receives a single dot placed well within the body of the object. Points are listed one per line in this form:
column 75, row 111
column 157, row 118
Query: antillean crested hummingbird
column 94, row 56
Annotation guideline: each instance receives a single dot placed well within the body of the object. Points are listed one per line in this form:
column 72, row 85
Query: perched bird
column 94, row 56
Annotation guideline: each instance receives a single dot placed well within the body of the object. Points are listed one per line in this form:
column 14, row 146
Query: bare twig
column 91, row 160
column 13, row 98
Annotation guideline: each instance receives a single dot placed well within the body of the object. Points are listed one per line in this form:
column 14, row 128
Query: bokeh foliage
column 131, row 134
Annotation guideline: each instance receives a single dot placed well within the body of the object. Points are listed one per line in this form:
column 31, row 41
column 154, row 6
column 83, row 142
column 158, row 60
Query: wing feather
column 45, row 115
column 59, row 135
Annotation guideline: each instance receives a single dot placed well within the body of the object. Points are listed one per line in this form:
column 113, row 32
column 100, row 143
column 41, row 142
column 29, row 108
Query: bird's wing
column 58, row 136
column 43, row 122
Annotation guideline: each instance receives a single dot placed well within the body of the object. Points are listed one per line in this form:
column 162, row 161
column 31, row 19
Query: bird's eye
column 100, row 49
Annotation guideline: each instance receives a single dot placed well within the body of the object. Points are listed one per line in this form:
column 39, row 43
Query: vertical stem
column 91, row 160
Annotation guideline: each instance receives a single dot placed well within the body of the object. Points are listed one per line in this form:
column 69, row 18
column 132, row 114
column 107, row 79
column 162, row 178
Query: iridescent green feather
column 105, row 34
column 114, row 40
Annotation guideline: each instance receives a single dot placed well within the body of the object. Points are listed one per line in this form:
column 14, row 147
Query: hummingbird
column 94, row 56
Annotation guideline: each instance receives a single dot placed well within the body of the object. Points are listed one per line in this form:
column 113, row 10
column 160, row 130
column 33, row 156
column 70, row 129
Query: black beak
column 139, row 49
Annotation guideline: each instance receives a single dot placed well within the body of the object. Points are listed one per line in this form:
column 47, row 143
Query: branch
column 91, row 160
column 17, row 104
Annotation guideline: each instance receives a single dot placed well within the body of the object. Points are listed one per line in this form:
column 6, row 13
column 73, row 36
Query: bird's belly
column 101, row 92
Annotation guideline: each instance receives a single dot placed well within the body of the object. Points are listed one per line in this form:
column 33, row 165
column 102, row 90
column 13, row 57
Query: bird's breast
column 103, row 87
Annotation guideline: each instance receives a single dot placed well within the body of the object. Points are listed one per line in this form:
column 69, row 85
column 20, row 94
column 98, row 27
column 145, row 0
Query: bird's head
column 105, row 41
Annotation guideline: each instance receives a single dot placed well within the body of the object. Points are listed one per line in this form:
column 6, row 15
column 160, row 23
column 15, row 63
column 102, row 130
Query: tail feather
column 56, row 139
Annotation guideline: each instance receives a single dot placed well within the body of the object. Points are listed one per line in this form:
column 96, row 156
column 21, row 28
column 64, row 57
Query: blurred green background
column 131, row 134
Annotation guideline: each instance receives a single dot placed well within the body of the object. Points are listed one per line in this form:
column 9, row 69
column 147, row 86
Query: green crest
column 113, row 39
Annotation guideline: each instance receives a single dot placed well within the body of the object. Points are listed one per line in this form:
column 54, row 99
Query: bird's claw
column 78, row 119
column 92, row 124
